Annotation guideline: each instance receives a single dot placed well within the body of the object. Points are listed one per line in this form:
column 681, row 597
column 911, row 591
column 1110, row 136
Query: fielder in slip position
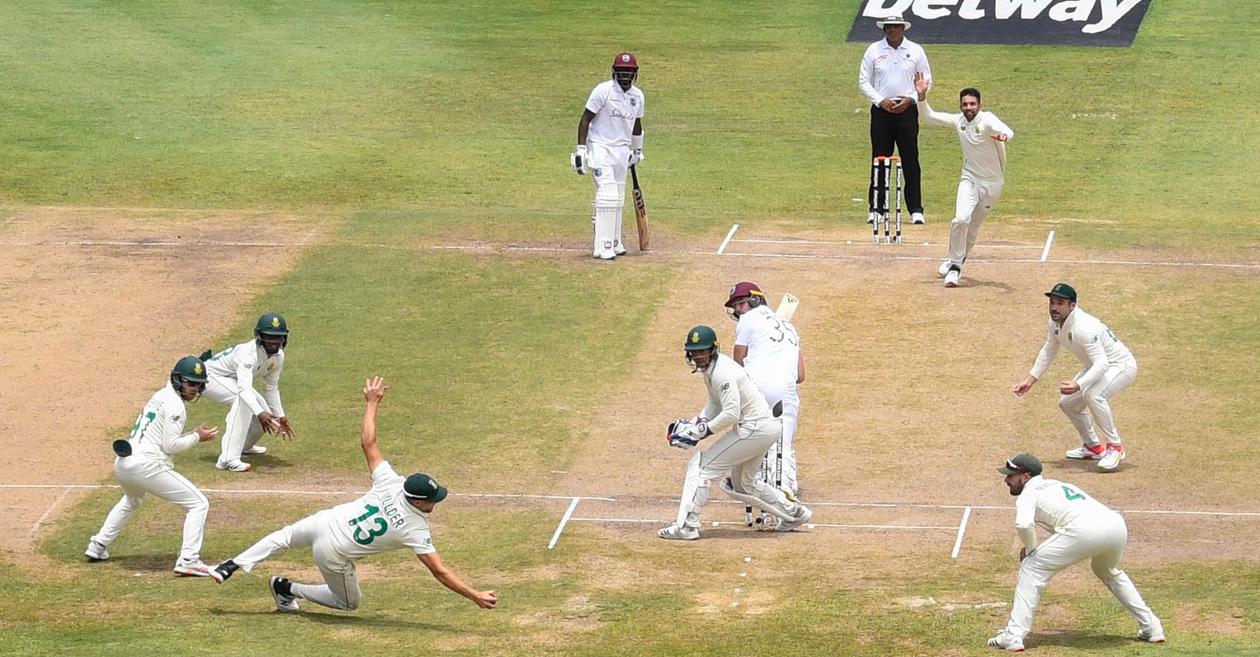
column 144, row 465
column 393, row 515
column 1109, row 368
column 250, row 415
column 737, row 411
column 1083, row 528
column 983, row 137
column 769, row 349
column 610, row 141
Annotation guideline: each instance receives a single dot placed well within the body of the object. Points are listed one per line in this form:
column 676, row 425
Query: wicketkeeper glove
column 680, row 434
column 578, row 160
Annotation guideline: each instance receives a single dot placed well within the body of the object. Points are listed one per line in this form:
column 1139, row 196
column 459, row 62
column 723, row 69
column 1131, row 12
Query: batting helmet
column 625, row 69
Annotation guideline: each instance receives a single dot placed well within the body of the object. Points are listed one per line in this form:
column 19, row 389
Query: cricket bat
column 787, row 307
column 640, row 210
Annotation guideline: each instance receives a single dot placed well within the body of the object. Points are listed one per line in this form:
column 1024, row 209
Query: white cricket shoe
column 873, row 217
column 607, row 254
column 676, row 533
column 192, row 569
column 951, row 278
column 1086, row 452
column 1111, row 458
column 917, row 218
column 943, row 269
column 1153, row 635
column 619, row 248
column 234, row 466
column 803, row 514
column 96, row 552
column 284, row 601
column 255, row 450
column 1006, row 642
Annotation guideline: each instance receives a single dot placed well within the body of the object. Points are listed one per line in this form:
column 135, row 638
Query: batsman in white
column 143, row 465
column 983, row 137
column 1109, row 367
column 232, row 373
column 1082, row 528
column 769, row 349
column 609, row 142
column 738, row 412
column 393, row 515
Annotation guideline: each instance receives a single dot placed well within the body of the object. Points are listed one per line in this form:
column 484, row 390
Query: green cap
column 701, row 337
column 1020, row 464
column 1063, row 291
column 421, row 486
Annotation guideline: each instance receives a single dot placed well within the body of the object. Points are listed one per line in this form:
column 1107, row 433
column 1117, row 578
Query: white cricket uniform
column 231, row 375
column 379, row 521
column 157, row 435
column 983, row 174
column 1082, row 528
column 737, row 412
column 1109, row 367
column 774, row 349
column 608, row 152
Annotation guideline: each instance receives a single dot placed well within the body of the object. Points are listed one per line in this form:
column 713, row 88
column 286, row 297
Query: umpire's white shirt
column 773, row 353
column 1090, row 341
column 984, row 158
column 734, row 402
column 887, row 72
column 615, row 113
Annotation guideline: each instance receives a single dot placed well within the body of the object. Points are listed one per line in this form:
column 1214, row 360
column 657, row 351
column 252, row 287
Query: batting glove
column 578, row 160
column 636, row 156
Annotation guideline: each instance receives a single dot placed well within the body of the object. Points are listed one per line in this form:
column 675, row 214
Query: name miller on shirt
column 1075, row 22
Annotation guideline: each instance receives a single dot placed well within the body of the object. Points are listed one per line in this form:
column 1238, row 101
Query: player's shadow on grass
column 739, row 533
column 147, row 563
column 1084, row 466
column 263, row 461
column 1081, row 639
column 969, row 281
column 330, row 617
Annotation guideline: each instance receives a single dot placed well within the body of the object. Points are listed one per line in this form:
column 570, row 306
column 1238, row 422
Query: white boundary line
column 962, row 529
column 729, row 234
column 1045, row 253
column 563, row 521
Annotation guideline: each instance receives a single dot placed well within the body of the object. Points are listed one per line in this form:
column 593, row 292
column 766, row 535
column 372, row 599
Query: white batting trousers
column 975, row 199
column 740, row 456
column 1093, row 401
column 139, row 476
column 340, row 589
column 1102, row 541
column 241, row 428
column 790, row 418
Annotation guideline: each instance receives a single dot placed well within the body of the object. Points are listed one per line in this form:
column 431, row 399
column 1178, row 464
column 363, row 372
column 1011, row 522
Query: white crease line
column 729, row 234
column 863, row 243
column 35, row 529
column 843, row 256
column 285, row 491
column 962, row 529
column 741, row 523
column 563, row 521
column 268, row 245
column 1045, row 253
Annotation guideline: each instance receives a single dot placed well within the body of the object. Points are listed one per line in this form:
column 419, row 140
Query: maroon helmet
column 625, row 69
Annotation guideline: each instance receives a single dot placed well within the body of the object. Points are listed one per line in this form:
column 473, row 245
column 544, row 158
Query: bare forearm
column 368, row 437
column 452, row 581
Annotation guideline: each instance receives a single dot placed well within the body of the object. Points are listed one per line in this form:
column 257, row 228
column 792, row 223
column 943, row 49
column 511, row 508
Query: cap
column 421, row 486
column 1020, row 464
column 892, row 20
column 741, row 290
column 625, row 60
column 1063, row 291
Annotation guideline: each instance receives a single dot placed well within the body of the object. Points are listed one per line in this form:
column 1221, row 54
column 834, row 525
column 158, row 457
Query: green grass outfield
column 410, row 121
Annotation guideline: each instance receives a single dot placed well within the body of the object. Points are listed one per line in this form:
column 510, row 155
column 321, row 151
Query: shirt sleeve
column 172, row 441
column 997, row 127
column 728, row 395
column 1046, row 356
column 383, row 472
column 866, row 77
column 642, row 105
column 596, row 100
column 1097, row 359
column 420, row 541
column 271, row 387
column 938, row 118
column 245, row 379
column 1025, row 519
column 743, row 333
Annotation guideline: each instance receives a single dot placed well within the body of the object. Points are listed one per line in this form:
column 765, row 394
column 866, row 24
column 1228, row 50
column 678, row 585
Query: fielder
column 144, row 465
column 983, row 137
column 769, row 349
column 1082, row 528
column 393, row 515
column 1109, row 367
column 610, row 140
column 737, row 411
column 232, row 373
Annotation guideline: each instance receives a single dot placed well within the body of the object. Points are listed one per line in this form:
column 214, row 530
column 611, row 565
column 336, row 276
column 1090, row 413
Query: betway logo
column 1062, row 11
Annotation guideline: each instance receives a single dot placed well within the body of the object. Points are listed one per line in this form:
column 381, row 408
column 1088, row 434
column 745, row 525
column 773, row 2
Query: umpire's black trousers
column 902, row 130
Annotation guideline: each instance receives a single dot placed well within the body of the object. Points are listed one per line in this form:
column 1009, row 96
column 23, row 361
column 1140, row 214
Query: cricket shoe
column 282, row 591
column 607, row 254
column 192, row 569
column 96, row 552
column 619, row 248
column 917, row 218
column 677, row 533
column 951, row 278
column 1111, row 458
column 1006, row 642
column 1152, row 635
column 223, row 571
column 1086, row 452
column 255, row 450
column 943, row 269
column 803, row 514
column 234, row 466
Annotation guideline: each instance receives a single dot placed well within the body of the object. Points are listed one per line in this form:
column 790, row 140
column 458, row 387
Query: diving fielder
column 1109, row 368
column 769, row 349
column 1082, row 528
column 983, row 137
column 609, row 142
column 232, row 373
column 144, row 465
column 393, row 515
column 737, row 411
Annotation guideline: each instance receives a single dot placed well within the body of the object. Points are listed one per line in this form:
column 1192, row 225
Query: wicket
column 765, row 521
column 882, row 184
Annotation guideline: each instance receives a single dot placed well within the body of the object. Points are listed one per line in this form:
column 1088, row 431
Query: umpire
column 887, row 79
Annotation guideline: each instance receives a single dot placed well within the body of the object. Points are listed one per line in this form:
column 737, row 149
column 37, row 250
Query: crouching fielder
column 737, row 411
column 394, row 514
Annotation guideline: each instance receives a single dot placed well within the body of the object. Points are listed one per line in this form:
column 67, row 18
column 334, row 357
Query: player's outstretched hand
column 920, row 84
column 486, row 599
column 206, row 433
column 284, row 429
column 268, row 422
column 374, row 389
